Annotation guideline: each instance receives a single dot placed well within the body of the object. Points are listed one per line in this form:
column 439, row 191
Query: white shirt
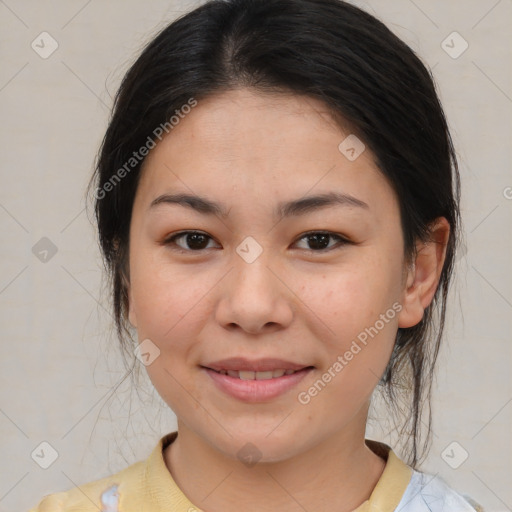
column 430, row 493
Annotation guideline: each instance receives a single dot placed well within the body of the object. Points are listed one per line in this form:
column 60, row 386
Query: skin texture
column 250, row 151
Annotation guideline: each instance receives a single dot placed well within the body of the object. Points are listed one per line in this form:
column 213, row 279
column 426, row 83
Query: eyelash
column 171, row 241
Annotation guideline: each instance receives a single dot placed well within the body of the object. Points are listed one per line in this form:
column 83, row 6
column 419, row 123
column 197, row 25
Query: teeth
column 248, row 375
column 263, row 375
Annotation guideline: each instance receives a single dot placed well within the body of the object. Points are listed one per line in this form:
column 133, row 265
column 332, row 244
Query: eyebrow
column 296, row 207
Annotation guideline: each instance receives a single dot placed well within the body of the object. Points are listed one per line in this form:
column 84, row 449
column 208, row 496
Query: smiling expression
column 295, row 250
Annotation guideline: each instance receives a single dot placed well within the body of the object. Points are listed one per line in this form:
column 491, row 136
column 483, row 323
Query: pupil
column 194, row 241
column 319, row 245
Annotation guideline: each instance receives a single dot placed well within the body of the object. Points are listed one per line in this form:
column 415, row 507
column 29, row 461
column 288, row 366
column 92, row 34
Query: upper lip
column 255, row 365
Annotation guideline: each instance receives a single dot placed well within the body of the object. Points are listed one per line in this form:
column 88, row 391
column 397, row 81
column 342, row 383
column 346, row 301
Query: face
column 315, row 284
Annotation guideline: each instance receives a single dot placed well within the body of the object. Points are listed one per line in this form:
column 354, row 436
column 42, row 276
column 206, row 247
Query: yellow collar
column 391, row 486
column 385, row 496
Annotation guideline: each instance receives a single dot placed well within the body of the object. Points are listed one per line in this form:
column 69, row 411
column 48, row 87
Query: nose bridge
column 252, row 279
column 254, row 297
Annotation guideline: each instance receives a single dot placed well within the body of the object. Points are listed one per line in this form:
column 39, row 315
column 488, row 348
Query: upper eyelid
column 302, row 235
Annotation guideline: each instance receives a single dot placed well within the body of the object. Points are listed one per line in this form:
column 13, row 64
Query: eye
column 318, row 241
column 196, row 241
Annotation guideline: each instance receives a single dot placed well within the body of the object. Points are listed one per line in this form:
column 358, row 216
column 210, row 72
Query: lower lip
column 256, row 390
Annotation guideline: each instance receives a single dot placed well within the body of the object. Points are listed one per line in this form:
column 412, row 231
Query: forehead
column 260, row 146
column 241, row 113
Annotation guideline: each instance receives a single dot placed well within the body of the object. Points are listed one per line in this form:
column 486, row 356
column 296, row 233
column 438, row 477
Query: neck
column 338, row 474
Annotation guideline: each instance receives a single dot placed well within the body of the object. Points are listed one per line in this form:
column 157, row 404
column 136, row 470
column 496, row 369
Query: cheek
column 170, row 309
column 351, row 303
column 359, row 312
column 348, row 300
column 166, row 299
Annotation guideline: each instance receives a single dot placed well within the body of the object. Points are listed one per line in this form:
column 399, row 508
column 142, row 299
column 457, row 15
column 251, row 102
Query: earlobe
column 423, row 274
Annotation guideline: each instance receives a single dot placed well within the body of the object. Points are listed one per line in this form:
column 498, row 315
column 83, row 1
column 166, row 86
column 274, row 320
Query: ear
column 423, row 274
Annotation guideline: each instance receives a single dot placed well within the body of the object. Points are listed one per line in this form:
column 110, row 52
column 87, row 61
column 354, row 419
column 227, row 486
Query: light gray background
column 60, row 370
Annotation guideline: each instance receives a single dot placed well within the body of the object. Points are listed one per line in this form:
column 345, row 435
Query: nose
column 255, row 298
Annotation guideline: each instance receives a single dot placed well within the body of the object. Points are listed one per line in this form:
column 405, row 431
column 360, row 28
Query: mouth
column 252, row 375
column 255, row 381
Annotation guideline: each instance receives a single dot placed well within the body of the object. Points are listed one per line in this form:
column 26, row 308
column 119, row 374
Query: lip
column 254, row 391
column 255, row 365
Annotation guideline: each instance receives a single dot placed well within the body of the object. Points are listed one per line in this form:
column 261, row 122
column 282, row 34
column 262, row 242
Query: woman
column 277, row 198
